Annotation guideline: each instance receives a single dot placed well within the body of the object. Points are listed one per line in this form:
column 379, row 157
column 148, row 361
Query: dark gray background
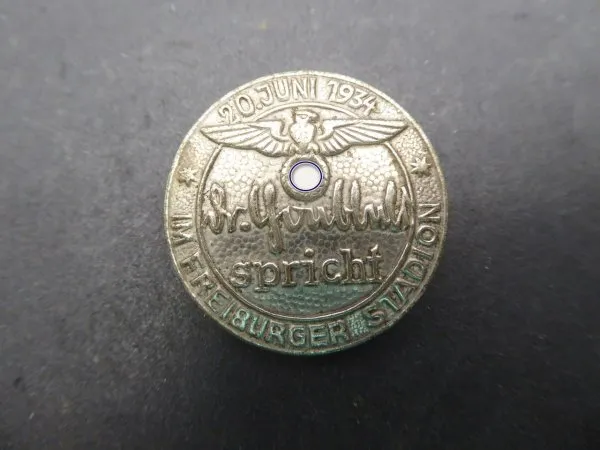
column 102, row 348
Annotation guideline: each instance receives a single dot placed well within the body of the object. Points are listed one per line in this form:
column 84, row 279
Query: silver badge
column 306, row 212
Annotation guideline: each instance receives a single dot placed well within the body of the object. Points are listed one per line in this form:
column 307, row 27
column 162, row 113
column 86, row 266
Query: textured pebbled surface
column 100, row 347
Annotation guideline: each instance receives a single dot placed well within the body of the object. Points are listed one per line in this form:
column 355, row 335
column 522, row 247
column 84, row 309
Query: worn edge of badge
column 389, row 323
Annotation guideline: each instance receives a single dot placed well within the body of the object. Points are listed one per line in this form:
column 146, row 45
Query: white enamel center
column 306, row 176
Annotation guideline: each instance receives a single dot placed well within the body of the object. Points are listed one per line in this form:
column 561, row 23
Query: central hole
column 306, row 176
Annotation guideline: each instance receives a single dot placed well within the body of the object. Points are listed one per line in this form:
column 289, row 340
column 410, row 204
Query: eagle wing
column 339, row 135
column 263, row 136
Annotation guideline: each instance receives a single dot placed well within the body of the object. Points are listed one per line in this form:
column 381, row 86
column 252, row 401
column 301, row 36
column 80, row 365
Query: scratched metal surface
column 100, row 347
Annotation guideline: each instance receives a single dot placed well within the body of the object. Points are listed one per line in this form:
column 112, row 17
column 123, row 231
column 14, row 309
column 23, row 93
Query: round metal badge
column 306, row 212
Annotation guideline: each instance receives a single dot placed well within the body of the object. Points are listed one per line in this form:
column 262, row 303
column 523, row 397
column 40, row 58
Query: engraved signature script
column 346, row 211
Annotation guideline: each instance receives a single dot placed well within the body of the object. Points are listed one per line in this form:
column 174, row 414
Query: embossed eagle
column 307, row 134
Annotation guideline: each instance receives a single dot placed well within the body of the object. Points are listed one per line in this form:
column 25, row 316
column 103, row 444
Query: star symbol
column 187, row 176
column 420, row 166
